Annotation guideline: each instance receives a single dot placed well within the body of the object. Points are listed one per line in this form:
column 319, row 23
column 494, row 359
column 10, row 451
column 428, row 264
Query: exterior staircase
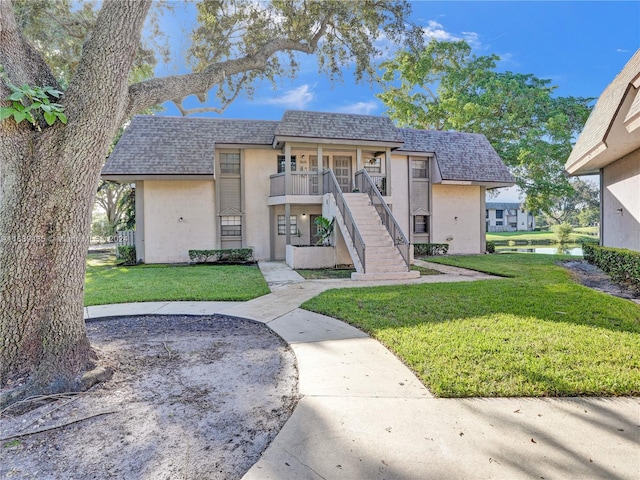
column 382, row 258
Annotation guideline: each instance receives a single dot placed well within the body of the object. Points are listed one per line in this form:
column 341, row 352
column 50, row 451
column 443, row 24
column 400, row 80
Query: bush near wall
column 226, row 255
column 623, row 265
column 491, row 247
column 127, row 254
column 430, row 249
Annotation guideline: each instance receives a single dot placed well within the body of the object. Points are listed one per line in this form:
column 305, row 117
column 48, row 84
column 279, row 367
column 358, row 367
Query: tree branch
column 189, row 111
column 175, row 88
column 22, row 63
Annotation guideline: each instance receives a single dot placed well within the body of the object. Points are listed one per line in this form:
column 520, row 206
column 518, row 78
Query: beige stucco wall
column 621, row 203
column 399, row 201
column 258, row 166
column 167, row 239
column 458, row 217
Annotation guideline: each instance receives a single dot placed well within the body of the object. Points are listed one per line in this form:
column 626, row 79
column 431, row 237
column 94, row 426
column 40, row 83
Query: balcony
column 302, row 183
column 309, row 183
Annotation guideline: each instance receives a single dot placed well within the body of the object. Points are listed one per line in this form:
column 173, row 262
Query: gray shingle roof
column 596, row 130
column 502, row 206
column 155, row 145
column 460, row 156
column 338, row 126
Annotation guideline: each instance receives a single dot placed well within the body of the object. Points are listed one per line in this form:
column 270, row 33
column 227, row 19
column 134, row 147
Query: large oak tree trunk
column 48, row 181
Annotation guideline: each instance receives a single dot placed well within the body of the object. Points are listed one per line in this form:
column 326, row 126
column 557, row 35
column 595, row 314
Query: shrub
column 225, row 255
column 127, row 253
column 563, row 231
column 491, row 247
column 623, row 265
column 430, row 249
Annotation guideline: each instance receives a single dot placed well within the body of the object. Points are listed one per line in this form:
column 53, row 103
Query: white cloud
column 436, row 30
column 363, row 108
column 297, row 99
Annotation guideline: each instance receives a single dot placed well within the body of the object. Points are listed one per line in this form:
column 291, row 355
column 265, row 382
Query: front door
column 342, row 169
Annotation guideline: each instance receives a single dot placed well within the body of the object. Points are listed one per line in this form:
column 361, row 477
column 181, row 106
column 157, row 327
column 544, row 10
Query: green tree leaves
column 27, row 100
column 445, row 87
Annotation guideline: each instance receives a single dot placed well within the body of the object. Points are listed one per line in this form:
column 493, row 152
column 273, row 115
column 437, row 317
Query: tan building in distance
column 206, row 183
column 609, row 145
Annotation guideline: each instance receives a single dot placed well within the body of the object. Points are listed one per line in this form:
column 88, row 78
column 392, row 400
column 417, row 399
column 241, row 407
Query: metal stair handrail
column 331, row 186
column 366, row 185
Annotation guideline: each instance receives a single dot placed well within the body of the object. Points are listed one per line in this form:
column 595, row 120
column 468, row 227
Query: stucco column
column 358, row 159
column 287, row 215
column 287, row 170
column 483, row 221
column 387, row 168
column 321, row 167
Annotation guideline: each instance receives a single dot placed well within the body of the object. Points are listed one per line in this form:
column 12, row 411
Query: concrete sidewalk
column 363, row 414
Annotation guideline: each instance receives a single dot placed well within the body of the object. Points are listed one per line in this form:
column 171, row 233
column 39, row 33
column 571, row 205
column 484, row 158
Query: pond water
column 575, row 250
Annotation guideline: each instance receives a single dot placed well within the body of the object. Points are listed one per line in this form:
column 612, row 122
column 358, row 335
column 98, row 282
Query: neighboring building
column 508, row 217
column 609, row 145
column 205, row 183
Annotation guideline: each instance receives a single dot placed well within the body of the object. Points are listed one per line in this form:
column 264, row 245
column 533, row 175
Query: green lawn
column 106, row 283
column 577, row 236
column 533, row 333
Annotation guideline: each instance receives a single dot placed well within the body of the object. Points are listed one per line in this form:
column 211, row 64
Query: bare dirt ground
column 191, row 398
column 593, row 277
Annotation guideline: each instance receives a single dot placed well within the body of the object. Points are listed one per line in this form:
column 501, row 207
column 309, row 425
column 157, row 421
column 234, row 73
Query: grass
column 533, row 333
column 577, row 236
column 107, row 283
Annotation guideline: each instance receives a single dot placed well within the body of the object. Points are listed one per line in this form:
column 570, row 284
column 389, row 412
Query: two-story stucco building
column 609, row 145
column 508, row 217
column 205, row 183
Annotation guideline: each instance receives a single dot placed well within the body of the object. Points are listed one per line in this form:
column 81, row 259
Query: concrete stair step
column 385, row 276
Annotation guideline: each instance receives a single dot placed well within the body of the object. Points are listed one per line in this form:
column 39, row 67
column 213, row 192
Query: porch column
column 387, row 169
column 358, row 159
column 287, row 215
column 287, row 170
column 321, row 167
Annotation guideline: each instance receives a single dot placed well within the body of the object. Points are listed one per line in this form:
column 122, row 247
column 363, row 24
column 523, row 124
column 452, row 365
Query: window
column 420, row 168
column 513, row 224
column 231, row 226
column 230, row 163
column 420, row 224
column 487, row 211
column 373, row 165
column 499, row 223
column 499, row 214
column 281, row 164
column 293, row 225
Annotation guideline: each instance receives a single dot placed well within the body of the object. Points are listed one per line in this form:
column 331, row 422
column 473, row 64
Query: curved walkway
column 364, row 415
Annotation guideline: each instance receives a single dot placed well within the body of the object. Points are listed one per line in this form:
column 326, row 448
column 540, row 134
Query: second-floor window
column 499, row 214
column 419, row 168
column 281, row 163
column 230, row 163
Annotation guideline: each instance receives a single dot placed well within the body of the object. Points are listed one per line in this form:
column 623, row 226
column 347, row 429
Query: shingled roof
column 314, row 125
column 460, row 156
column 598, row 145
column 155, row 145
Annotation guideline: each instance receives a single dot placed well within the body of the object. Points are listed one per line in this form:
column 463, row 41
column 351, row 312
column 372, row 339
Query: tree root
column 42, row 430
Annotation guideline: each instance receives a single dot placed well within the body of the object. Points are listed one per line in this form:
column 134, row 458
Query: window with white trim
column 231, row 226
column 281, row 163
column 230, row 163
column 420, row 168
column 293, row 225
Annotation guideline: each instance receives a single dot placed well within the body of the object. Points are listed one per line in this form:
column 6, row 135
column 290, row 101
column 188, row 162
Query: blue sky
column 579, row 45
